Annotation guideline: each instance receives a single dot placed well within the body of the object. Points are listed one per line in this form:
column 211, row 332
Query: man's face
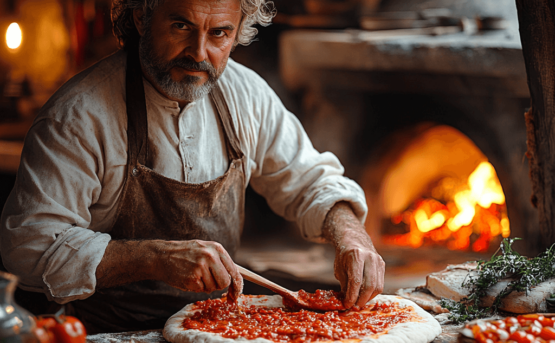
column 185, row 45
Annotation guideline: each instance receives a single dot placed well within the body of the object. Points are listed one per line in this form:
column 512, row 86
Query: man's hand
column 195, row 266
column 358, row 267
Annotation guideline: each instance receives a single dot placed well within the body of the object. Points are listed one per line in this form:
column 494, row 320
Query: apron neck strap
column 232, row 142
column 137, row 124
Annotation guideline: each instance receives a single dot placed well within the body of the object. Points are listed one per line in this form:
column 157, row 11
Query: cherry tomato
column 547, row 333
column 499, row 324
column 481, row 338
column 490, row 334
column 46, row 322
column 60, row 329
column 529, row 316
column 502, row 334
column 525, row 322
column 42, row 331
column 530, row 338
column 521, row 337
column 44, row 335
column 476, row 330
column 546, row 321
column 511, row 321
column 534, row 330
column 70, row 331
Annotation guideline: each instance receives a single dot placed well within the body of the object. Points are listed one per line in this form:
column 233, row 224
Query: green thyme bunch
column 525, row 272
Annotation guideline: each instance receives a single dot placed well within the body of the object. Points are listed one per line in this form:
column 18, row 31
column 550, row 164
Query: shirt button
column 135, row 172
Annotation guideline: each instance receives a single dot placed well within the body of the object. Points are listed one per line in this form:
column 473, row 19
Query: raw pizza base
column 422, row 331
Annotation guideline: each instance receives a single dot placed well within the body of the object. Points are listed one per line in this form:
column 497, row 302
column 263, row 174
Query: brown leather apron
column 153, row 206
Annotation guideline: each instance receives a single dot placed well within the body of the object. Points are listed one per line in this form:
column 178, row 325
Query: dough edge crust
column 422, row 331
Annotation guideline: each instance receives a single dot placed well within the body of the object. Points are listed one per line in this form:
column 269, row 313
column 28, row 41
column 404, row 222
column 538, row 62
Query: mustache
column 187, row 63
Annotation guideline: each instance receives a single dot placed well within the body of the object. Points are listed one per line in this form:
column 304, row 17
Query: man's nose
column 197, row 48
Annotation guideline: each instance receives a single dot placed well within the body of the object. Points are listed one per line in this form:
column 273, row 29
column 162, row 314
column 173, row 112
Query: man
column 129, row 198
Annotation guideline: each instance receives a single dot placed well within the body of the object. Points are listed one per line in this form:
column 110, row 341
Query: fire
column 13, row 36
column 424, row 224
column 478, row 208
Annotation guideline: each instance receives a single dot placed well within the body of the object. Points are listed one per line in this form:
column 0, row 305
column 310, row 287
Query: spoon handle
column 259, row 280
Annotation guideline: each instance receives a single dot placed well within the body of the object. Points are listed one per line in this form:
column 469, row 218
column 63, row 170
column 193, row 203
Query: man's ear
column 138, row 19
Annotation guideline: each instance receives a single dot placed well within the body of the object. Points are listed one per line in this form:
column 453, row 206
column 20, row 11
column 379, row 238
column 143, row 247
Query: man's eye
column 181, row 26
column 218, row 33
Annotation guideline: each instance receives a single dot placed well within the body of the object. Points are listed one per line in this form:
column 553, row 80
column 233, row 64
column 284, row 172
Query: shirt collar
column 152, row 95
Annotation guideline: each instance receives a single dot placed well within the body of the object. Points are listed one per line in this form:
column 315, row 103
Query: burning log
column 537, row 29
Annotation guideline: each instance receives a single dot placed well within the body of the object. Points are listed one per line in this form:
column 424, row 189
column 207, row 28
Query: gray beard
column 187, row 89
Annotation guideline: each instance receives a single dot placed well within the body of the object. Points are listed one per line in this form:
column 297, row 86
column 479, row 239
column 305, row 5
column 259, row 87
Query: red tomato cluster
column 60, row 329
column 527, row 328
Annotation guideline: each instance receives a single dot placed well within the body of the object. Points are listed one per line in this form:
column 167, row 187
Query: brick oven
column 406, row 113
column 377, row 101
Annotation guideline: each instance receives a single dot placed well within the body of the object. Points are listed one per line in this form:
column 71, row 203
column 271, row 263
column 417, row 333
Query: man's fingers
column 196, row 285
column 220, row 274
column 355, row 271
column 236, row 285
column 367, row 290
column 373, row 282
column 360, row 275
column 340, row 275
column 235, row 289
column 208, row 280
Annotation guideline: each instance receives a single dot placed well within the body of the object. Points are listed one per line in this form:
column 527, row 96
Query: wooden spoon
column 284, row 292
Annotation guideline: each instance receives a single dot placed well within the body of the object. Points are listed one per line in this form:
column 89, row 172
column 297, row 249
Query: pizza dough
column 421, row 331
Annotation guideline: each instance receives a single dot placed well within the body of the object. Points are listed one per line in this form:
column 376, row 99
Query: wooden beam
column 537, row 33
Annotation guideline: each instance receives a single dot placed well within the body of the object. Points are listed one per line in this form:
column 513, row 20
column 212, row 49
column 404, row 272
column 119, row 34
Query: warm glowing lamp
column 13, row 36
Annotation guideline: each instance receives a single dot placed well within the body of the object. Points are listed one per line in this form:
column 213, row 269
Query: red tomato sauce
column 322, row 300
column 283, row 325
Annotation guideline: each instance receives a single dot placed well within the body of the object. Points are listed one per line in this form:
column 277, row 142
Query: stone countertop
column 449, row 335
column 148, row 336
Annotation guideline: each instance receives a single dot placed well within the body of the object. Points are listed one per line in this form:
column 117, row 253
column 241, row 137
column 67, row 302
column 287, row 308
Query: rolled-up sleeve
column 298, row 182
column 44, row 234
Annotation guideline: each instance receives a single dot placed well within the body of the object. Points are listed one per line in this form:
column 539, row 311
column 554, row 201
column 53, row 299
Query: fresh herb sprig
column 460, row 312
column 525, row 272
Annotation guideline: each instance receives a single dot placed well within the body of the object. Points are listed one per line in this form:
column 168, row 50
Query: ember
column 456, row 213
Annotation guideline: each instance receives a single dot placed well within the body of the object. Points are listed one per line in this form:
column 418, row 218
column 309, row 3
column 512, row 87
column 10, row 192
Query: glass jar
column 16, row 324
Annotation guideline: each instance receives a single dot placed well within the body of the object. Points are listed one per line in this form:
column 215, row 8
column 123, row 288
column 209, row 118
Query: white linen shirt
column 56, row 223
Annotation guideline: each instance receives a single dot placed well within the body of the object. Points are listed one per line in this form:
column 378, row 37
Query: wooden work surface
column 449, row 335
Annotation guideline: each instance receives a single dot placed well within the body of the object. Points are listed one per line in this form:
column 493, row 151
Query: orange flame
column 477, row 209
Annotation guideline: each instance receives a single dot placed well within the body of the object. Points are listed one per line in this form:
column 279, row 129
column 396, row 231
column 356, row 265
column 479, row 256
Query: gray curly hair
column 254, row 12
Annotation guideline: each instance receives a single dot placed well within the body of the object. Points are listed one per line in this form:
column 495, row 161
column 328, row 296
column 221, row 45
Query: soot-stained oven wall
column 359, row 92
